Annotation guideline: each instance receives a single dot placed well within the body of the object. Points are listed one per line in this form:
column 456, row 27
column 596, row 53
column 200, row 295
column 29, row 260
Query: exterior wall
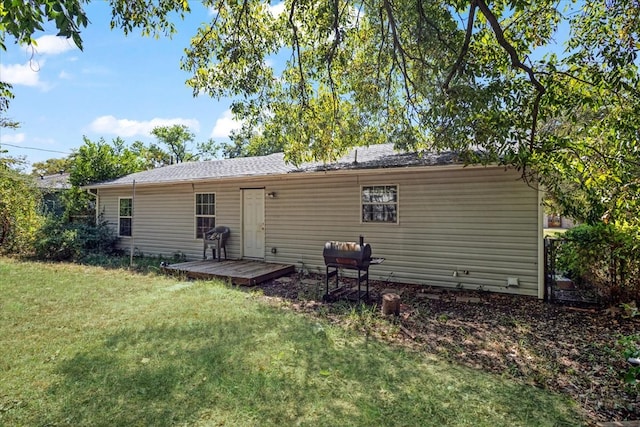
column 164, row 217
column 481, row 223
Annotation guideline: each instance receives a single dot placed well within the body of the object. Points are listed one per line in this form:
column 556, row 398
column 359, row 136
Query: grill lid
column 347, row 253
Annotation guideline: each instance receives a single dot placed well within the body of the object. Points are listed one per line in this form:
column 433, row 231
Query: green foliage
column 77, row 203
column 51, row 166
column 419, row 76
column 100, row 161
column 19, row 218
column 630, row 348
column 605, row 256
column 59, row 240
column 456, row 75
column 22, row 19
column 6, row 95
column 177, row 138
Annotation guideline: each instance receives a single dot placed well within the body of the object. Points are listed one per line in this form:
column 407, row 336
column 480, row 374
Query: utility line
column 33, row 148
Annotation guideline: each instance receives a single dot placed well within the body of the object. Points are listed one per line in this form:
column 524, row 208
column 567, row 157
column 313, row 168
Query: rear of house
column 435, row 222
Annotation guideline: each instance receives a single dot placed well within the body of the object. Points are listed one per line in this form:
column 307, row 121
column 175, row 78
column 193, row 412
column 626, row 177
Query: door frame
column 244, row 192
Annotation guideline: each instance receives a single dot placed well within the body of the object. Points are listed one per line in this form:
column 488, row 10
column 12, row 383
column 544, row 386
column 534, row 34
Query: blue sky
column 118, row 86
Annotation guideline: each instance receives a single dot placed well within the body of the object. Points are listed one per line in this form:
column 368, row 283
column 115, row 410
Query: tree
column 51, row 166
column 100, row 161
column 19, row 202
column 95, row 162
column 450, row 74
column 177, row 138
column 461, row 75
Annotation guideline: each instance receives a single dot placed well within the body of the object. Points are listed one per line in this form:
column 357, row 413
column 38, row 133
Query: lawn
column 91, row 346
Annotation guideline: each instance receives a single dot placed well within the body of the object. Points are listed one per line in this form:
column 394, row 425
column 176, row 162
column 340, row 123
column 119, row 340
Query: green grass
column 83, row 345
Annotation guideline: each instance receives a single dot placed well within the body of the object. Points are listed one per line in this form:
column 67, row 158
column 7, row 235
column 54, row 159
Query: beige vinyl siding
column 480, row 220
column 164, row 218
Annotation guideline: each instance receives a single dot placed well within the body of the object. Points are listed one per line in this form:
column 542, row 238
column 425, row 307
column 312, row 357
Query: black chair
column 216, row 238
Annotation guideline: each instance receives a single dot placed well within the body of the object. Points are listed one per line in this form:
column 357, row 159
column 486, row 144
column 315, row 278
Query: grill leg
column 327, row 280
column 328, row 276
column 367, row 284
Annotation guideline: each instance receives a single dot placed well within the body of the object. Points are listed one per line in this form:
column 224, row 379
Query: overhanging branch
column 465, row 46
column 516, row 63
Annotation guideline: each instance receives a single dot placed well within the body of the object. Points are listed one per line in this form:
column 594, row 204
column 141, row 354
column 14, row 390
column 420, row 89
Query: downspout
column 133, row 209
column 541, row 263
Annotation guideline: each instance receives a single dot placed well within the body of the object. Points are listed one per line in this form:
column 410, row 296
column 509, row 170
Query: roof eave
column 343, row 171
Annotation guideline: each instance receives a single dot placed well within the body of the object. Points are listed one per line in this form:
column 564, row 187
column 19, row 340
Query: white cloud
column 28, row 74
column 224, row 125
column 17, row 74
column 276, row 9
column 15, row 138
column 52, row 45
column 128, row 128
column 64, row 75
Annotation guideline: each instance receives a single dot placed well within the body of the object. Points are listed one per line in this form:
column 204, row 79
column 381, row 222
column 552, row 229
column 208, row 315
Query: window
column 205, row 213
column 125, row 216
column 380, row 203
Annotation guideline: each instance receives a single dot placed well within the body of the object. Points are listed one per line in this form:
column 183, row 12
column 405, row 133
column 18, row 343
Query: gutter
column 358, row 171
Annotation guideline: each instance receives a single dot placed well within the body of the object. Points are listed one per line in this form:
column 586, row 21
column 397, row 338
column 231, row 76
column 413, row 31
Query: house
column 435, row 221
column 52, row 186
column 558, row 221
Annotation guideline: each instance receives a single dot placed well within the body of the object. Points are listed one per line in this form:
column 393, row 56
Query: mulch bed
column 562, row 348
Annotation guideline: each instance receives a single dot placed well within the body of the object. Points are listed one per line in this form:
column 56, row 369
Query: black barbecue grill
column 350, row 256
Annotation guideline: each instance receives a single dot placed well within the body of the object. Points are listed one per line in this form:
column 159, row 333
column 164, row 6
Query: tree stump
column 391, row 304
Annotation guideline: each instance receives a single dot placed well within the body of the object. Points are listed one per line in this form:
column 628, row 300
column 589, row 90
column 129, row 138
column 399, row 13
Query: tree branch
column 332, row 52
column 430, row 23
column 296, row 48
column 465, row 46
column 397, row 45
column 516, row 63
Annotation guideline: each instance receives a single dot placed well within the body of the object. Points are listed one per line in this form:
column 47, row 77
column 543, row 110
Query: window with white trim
column 205, row 213
column 380, row 203
column 125, row 216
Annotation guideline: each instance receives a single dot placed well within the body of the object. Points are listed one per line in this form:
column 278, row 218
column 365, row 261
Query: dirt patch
column 567, row 349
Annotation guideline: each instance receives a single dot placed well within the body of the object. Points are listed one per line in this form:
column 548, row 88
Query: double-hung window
column 205, row 213
column 380, row 203
column 125, row 216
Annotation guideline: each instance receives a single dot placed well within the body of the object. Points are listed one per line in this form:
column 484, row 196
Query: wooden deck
column 240, row 272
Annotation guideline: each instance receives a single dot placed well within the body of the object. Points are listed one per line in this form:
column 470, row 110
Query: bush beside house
column 605, row 256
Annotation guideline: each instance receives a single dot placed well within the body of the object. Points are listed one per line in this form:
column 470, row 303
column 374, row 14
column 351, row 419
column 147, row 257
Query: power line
column 33, row 148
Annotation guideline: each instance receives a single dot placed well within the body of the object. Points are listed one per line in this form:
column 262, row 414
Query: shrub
column 63, row 241
column 19, row 218
column 630, row 348
column 605, row 256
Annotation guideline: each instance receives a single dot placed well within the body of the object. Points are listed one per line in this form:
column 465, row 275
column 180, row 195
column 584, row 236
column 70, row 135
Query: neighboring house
column 434, row 221
column 52, row 187
column 557, row 221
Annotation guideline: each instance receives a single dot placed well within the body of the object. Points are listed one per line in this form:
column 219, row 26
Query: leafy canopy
column 469, row 76
column 177, row 140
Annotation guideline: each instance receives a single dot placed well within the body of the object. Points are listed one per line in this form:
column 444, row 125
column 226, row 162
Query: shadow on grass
column 269, row 367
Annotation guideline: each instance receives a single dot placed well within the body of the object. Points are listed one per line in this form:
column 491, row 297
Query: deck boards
column 240, row 272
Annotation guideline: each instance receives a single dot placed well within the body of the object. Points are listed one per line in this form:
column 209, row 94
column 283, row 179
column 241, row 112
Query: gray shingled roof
column 59, row 181
column 375, row 156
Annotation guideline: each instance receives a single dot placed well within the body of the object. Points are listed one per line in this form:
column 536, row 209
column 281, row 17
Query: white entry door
column 253, row 223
